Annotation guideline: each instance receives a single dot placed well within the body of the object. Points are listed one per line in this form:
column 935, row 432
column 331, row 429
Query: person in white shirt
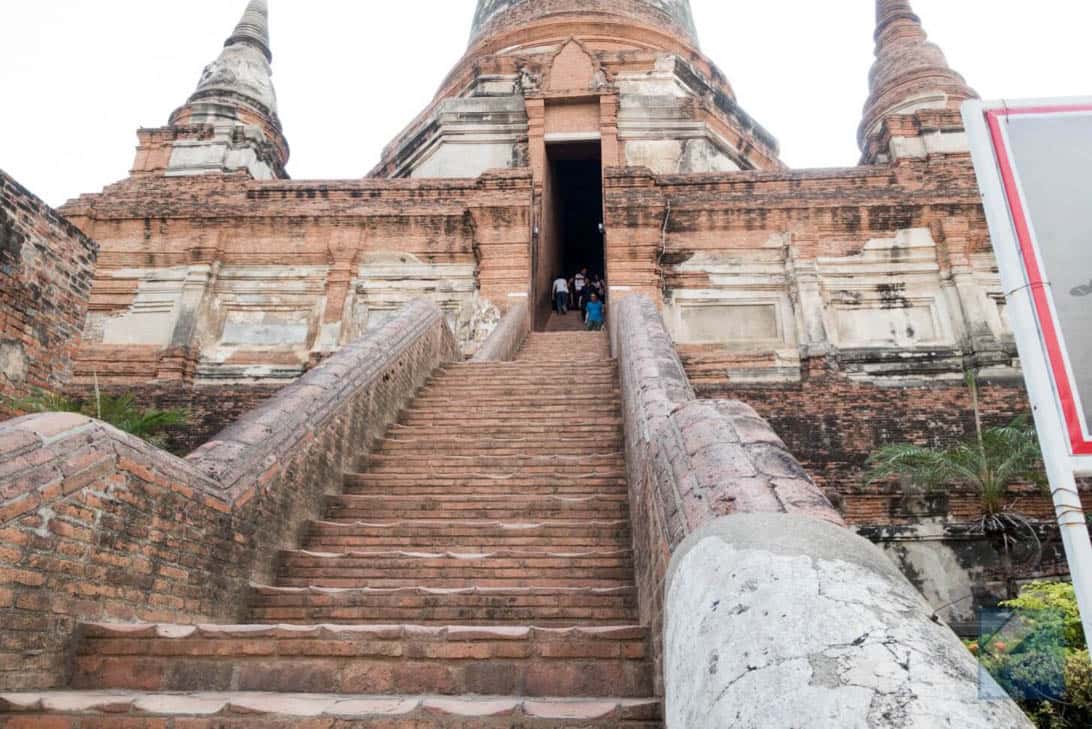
column 580, row 289
column 561, row 295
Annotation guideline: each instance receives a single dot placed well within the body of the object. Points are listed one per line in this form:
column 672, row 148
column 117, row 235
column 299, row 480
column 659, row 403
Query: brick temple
column 402, row 507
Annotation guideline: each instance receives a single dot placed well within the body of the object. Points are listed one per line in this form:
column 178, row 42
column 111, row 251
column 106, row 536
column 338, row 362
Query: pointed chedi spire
column 235, row 96
column 910, row 73
column 253, row 29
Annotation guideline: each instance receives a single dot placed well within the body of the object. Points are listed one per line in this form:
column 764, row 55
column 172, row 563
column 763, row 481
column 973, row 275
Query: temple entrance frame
column 567, row 134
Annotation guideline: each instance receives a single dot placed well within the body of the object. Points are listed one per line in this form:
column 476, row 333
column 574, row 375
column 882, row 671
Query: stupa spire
column 243, row 71
column 253, row 29
column 910, row 72
column 229, row 124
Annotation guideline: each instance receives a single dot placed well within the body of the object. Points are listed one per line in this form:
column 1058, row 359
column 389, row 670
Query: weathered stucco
column 773, row 617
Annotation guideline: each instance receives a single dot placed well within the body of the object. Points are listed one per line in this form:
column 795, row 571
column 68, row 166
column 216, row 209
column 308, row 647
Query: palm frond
column 990, row 462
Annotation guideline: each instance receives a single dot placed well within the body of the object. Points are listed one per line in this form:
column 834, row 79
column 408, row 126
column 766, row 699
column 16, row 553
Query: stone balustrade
column 96, row 525
column 767, row 611
column 503, row 343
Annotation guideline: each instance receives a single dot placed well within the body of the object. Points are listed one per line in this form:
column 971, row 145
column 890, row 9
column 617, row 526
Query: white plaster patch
column 756, row 639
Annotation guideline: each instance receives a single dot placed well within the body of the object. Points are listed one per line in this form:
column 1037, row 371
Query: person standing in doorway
column 561, row 295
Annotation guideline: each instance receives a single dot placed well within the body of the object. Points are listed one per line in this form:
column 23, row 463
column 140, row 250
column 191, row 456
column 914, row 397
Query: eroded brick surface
column 46, row 267
column 97, row 525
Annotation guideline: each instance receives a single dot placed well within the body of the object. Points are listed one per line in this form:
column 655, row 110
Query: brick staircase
column 477, row 572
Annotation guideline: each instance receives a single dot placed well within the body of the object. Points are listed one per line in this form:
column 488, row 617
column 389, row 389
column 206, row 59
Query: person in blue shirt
column 594, row 313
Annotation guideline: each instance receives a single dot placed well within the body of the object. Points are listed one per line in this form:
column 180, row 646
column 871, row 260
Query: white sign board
column 1034, row 166
column 1036, row 177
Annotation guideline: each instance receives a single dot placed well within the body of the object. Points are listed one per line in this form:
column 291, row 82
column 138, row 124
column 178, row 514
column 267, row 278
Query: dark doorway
column 572, row 216
column 578, row 173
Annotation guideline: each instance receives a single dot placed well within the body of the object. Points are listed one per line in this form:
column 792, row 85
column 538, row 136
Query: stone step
column 516, row 422
column 427, row 491
column 497, row 387
column 519, row 429
column 503, row 467
column 256, row 710
column 500, row 391
column 489, row 508
column 371, row 482
column 421, row 535
column 498, row 568
column 469, row 411
column 475, row 605
column 501, row 445
column 398, row 659
column 537, row 374
column 525, row 463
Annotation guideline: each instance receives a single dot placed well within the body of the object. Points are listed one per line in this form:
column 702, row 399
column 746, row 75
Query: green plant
column 120, row 411
column 989, row 462
column 1044, row 658
column 43, row 401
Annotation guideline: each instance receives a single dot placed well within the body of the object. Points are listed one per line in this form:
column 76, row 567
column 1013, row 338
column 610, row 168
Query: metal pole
column 1049, row 421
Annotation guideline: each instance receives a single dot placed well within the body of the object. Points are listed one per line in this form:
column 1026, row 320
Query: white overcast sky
column 80, row 76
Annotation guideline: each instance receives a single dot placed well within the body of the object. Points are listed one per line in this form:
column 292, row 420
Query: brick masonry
column 97, row 525
column 833, row 424
column 690, row 462
column 46, row 267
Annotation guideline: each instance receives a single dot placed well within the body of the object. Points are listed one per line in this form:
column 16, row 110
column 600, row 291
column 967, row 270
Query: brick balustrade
column 98, row 525
column 510, row 334
column 764, row 608
column 691, row 461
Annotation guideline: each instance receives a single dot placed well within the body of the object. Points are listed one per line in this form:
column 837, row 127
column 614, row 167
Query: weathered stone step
column 500, row 387
column 521, row 462
column 464, row 506
column 503, row 467
column 421, row 535
column 498, row 568
column 255, row 710
column 516, row 422
column 484, row 483
column 589, row 413
column 401, row 659
column 520, row 430
column 537, row 375
column 499, row 491
column 475, row 605
column 500, row 445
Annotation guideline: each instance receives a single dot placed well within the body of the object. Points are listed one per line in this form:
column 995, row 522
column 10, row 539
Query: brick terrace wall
column 97, row 525
column 832, row 424
column 46, row 267
column 690, row 462
column 211, row 408
column 229, row 222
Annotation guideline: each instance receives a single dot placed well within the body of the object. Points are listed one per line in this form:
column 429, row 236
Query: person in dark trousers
column 580, row 289
column 561, row 295
column 593, row 313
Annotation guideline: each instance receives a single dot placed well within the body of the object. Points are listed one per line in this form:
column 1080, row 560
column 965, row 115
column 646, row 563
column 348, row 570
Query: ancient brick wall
column 223, row 279
column 209, row 408
column 833, row 423
column 46, row 267
column 97, row 525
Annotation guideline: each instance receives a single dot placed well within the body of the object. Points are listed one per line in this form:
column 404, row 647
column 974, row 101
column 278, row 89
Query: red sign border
column 1081, row 445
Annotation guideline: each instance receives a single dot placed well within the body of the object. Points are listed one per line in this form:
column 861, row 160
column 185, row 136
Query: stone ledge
column 506, row 340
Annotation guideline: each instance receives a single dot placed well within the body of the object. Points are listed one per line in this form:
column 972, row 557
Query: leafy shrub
column 1046, row 659
column 120, row 411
